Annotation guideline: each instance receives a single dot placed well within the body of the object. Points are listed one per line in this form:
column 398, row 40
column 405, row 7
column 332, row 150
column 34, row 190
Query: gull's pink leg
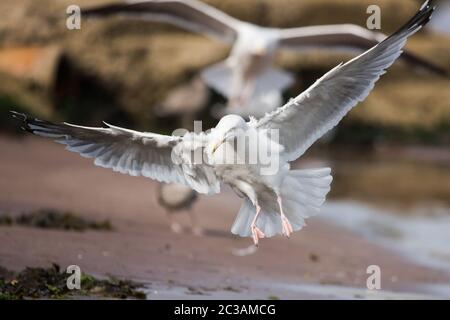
column 287, row 227
column 256, row 232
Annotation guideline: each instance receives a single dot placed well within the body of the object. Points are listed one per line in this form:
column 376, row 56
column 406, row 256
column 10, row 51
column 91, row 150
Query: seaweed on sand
column 53, row 219
column 44, row 283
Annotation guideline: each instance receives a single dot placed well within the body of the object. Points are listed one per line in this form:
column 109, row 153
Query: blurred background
column 390, row 198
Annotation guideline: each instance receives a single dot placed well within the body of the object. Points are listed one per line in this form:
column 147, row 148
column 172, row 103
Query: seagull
column 248, row 74
column 277, row 200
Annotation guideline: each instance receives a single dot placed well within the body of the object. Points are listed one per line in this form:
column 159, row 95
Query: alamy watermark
column 374, row 280
column 259, row 148
column 73, row 21
column 373, row 22
column 74, row 280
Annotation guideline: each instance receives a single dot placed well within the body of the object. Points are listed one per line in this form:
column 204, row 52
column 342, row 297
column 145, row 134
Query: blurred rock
column 185, row 99
column 29, row 74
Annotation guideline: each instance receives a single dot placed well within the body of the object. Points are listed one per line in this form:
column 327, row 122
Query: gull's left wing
column 160, row 157
column 311, row 114
column 345, row 37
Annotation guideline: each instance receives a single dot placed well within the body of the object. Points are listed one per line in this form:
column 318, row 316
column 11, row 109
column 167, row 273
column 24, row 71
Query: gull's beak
column 217, row 144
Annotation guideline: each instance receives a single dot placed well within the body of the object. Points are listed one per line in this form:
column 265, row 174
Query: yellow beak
column 216, row 145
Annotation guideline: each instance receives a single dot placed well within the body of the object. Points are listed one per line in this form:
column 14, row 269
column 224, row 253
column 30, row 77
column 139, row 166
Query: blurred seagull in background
column 274, row 203
column 178, row 198
column 247, row 77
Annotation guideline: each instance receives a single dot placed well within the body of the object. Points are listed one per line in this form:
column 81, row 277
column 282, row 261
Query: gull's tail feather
column 302, row 194
column 220, row 77
column 273, row 79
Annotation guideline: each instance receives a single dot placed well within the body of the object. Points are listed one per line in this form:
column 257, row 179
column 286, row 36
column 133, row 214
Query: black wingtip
column 426, row 4
column 420, row 19
column 18, row 115
column 23, row 118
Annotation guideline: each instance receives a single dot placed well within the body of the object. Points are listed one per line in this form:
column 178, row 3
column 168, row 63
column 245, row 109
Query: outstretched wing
column 345, row 37
column 311, row 114
column 163, row 158
column 189, row 14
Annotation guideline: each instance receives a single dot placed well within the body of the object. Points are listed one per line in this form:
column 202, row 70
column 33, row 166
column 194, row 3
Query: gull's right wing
column 192, row 15
column 160, row 157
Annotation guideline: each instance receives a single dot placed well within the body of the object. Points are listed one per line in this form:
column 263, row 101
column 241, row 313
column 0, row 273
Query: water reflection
column 387, row 176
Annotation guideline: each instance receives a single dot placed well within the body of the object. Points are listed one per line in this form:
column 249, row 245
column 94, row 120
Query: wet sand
column 315, row 263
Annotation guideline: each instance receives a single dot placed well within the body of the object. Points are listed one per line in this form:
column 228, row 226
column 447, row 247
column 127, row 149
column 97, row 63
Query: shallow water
column 267, row 289
column 395, row 197
column 421, row 236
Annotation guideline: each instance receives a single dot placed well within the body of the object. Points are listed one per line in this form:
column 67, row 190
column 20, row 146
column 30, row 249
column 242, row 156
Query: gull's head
column 228, row 128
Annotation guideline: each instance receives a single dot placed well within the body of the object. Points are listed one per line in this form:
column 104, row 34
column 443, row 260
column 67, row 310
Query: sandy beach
column 322, row 261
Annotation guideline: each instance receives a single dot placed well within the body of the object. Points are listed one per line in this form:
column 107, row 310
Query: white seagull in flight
column 275, row 203
column 247, row 76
